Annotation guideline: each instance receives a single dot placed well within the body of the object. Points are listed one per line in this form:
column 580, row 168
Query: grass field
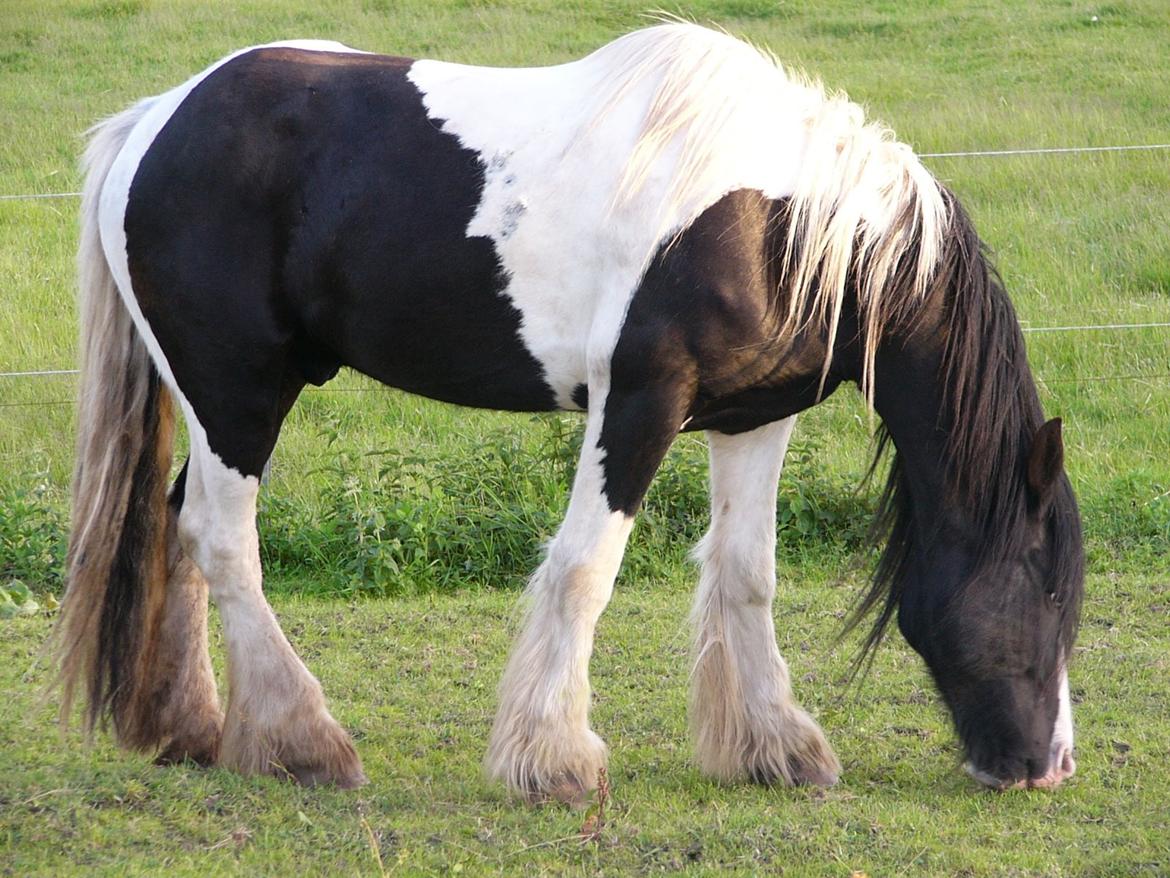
column 397, row 530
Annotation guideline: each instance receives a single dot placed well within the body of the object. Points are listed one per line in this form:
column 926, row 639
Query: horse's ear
column 1045, row 462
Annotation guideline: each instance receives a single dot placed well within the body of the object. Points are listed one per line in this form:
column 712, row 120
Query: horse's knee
column 225, row 555
column 743, row 573
column 582, row 589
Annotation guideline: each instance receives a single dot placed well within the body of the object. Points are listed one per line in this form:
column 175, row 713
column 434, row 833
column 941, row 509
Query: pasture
column 397, row 532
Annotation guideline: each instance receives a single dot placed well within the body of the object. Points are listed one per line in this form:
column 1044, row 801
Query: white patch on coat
column 614, row 154
column 553, row 167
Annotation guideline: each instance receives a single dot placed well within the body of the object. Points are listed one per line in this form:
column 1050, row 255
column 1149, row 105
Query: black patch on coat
column 300, row 212
column 702, row 344
column 580, row 397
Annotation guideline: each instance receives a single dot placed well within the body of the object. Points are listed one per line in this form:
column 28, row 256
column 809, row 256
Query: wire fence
column 990, row 153
column 1042, row 150
column 44, row 373
column 32, row 196
column 1136, row 377
column 1077, row 379
column 1088, row 327
column 1087, row 379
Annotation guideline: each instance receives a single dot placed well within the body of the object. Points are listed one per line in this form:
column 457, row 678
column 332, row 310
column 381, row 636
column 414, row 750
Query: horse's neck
column 910, row 396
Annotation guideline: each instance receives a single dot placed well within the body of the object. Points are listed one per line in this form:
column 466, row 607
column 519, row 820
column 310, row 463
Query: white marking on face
column 1060, row 753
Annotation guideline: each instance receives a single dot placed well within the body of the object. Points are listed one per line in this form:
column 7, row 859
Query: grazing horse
column 669, row 234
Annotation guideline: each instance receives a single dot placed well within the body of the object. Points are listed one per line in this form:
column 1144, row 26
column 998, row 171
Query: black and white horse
column 669, row 234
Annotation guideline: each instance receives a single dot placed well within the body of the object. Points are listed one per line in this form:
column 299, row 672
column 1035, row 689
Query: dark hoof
column 812, row 775
column 203, row 755
column 347, row 778
column 798, row 773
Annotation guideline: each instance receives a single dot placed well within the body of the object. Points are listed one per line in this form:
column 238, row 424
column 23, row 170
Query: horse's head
column 996, row 632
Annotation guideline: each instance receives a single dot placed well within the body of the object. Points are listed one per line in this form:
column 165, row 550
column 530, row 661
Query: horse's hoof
column 812, row 773
column 335, row 764
column 204, row 755
column 814, row 764
column 316, row 775
column 546, row 765
column 320, row 753
column 798, row 774
column 564, row 790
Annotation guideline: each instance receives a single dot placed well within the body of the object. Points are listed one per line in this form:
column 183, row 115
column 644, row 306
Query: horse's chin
column 1061, row 766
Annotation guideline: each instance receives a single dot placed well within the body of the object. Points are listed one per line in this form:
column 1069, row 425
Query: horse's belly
column 474, row 357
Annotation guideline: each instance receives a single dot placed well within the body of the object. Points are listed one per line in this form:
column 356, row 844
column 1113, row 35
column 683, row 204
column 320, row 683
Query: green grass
column 375, row 493
column 414, row 679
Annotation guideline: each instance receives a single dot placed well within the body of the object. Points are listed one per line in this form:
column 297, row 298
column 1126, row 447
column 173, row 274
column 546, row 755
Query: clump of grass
column 424, row 520
column 436, row 518
column 33, row 534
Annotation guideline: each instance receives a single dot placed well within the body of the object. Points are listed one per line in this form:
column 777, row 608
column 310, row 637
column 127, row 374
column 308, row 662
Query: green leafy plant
column 17, row 600
column 33, row 534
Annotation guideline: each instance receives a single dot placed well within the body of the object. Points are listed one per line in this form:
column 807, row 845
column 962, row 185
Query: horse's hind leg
column 743, row 717
column 277, row 722
column 190, row 714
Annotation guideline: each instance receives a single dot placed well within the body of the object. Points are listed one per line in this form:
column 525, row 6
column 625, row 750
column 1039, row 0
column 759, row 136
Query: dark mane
column 991, row 413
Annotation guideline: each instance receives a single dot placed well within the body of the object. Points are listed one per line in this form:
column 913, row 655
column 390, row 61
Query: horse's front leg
column 541, row 745
column 744, row 719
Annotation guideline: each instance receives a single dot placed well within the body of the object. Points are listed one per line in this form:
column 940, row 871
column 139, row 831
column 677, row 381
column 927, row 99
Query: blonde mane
column 861, row 207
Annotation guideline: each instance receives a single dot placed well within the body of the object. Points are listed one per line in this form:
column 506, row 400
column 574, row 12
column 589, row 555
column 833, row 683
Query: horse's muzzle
column 1061, row 766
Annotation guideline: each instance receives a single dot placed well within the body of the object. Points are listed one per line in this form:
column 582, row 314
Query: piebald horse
column 672, row 233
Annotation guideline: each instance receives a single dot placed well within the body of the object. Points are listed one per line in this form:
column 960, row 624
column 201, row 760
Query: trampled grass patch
column 374, row 493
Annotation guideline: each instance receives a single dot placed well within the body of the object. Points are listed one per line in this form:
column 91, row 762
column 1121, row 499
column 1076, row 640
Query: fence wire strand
column 1087, row 379
column 35, row 196
column 1041, row 150
column 42, row 373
